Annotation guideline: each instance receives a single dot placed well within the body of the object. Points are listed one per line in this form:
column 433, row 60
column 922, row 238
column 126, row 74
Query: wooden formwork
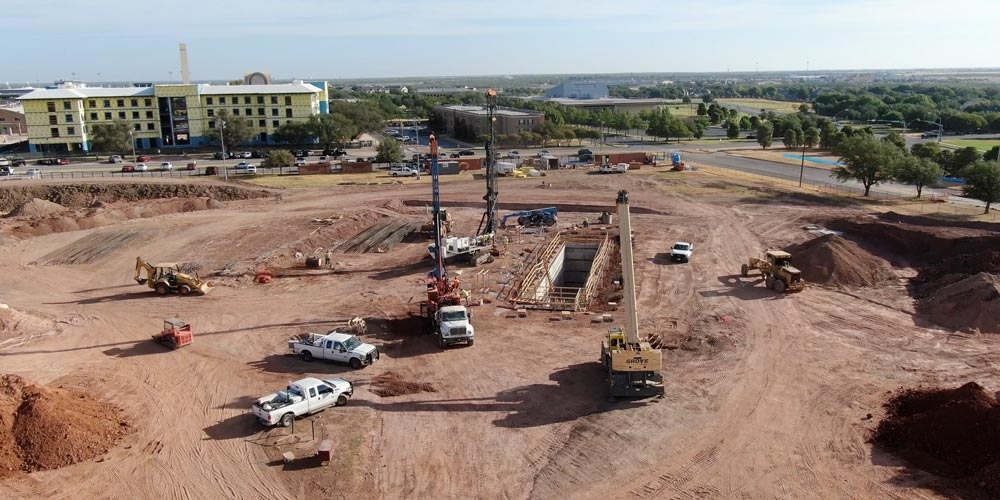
column 522, row 294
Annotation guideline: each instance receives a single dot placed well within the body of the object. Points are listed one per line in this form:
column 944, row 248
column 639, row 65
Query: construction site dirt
column 767, row 395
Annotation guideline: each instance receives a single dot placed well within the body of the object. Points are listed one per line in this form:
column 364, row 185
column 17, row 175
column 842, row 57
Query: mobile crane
column 633, row 364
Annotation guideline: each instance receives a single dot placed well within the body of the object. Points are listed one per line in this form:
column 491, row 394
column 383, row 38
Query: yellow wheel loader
column 776, row 267
column 167, row 278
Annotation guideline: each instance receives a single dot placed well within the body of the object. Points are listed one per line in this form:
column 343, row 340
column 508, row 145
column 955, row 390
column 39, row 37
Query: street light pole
column 131, row 136
column 222, row 139
column 802, row 167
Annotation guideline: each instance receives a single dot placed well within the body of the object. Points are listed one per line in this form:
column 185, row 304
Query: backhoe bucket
column 141, row 281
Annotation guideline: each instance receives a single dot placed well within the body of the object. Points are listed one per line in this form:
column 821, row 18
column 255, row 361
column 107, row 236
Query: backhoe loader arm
column 139, row 266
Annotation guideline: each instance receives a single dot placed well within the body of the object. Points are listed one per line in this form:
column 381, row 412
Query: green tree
column 982, row 182
column 363, row 115
column 294, row 133
column 233, row 130
column 811, row 136
column 677, row 128
column 792, row 138
column 332, row 129
column 765, row 134
column 686, row 99
column 918, row 172
column 702, row 110
column 745, row 122
column 755, row 122
column 732, row 130
column 111, row 137
column 991, row 155
column 279, row 158
column 866, row 160
column 804, row 108
column 896, row 139
column 961, row 159
column 930, row 150
column 389, row 151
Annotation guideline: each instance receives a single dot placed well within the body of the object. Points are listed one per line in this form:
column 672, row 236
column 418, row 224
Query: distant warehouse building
column 164, row 116
column 578, row 90
column 509, row 121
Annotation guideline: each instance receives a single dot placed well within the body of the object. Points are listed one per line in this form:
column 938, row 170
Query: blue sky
column 108, row 40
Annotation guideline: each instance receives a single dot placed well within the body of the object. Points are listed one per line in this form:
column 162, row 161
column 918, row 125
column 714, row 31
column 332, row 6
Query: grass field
column 758, row 104
column 980, row 144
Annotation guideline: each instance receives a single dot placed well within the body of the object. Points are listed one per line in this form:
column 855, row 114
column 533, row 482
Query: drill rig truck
column 633, row 365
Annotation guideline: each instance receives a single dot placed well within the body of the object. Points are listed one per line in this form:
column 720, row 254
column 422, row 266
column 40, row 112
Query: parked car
column 246, row 154
column 128, row 168
column 300, row 162
column 141, row 167
column 543, row 152
column 334, row 346
column 33, row 173
column 455, row 155
column 324, row 159
column 397, row 170
column 681, row 251
column 6, row 170
column 515, row 154
column 302, row 397
column 301, row 152
column 467, row 152
column 142, row 159
column 247, row 167
column 18, row 162
column 929, row 135
column 192, row 165
column 584, row 151
column 336, row 153
column 166, row 166
column 256, row 154
column 62, row 161
column 115, row 159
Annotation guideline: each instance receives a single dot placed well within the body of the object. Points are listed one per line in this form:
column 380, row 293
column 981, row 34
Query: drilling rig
column 633, row 364
column 488, row 224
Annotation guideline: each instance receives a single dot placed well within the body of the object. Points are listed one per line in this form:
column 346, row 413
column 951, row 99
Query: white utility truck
column 302, row 397
column 334, row 346
column 452, row 326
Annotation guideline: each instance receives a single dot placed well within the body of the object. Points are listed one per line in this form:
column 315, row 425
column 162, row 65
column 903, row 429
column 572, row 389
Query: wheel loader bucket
column 205, row 287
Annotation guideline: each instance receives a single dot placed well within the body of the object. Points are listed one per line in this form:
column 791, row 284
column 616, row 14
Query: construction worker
column 465, row 296
column 586, row 222
column 329, row 259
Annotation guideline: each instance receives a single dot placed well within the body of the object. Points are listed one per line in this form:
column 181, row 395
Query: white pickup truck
column 302, row 397
column 334, row 346
column 452, row 326
column 681, row 251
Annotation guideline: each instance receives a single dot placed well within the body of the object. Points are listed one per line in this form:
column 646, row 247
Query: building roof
column 86, row 92
column 277, row 88
column 481, row 110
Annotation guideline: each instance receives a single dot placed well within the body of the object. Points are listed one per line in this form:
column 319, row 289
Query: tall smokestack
column 185, row 74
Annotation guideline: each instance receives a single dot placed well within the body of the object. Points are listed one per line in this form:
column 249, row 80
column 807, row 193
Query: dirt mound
column 37, row 208
column 972, row 302
column 42, row 429
column 106, row 214
column 87, row 195
column 949, row 432
column 19, row 324
column 832, row 260
column 391, row 384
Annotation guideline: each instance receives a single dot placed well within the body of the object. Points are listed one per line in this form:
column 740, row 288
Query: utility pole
column 131, row 136
column 222, row 139
column 802, row 166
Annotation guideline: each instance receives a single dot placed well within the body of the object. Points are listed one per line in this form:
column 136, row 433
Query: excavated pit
column 566, row 274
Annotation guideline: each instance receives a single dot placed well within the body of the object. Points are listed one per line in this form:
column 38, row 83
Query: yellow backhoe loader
column 167, row 278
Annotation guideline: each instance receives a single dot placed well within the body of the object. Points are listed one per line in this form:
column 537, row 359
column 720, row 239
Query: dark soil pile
column 949, row 432
column 87, row 195
column 971, row 302
column 37, row 208
column 832, row 260
column 391, row 384
column 42, row 429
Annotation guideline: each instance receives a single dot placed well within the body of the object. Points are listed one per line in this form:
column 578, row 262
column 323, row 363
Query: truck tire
column 355, row 363
column 779, row 285
column 341, row 400
column 745, row 271
column 287, row 419
column 441, row 343
column 184, row 290
column 768, row 281
column 471, row 341
column 306, row 356
column 522, row 221
column 162, row 288
column 550, row 221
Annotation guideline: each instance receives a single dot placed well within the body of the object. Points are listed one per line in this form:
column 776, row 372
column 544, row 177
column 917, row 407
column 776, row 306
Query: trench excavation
column 567, row 274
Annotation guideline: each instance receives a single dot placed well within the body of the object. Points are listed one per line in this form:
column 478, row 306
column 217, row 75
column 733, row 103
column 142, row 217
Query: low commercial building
column 12, row 120
column 578, row 90
column 472, row 117
column 621, row 105
column 164, row 116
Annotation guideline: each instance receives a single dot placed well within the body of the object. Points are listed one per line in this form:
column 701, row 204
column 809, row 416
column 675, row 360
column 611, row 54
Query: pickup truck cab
column 334, row 346
column 681, row 251
column 452, row 326
column 302, row 397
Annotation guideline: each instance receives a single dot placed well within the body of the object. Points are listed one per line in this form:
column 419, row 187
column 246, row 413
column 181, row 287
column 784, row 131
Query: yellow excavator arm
column 139, row 266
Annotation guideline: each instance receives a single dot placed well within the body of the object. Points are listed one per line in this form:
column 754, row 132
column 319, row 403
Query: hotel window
column 66, row 105
column 107, row 116
column 70, row 130
column 262, row 123
column 53, row 120
column 211, row 112
column 208, row 100
column 135, row 115
column 150, row 126
column 246, row 99
column 137, row 127
column 274, row 111
column 211, row 124
column 222, row 100
column 260, row 111
column 69, row 118
column 121, row 115
column 52, row 107
column 121, row 103
column 260, row 99
column 249, row 111
column 274, row 99
column 288, row 113
column 148, row 102
column 275, row 123
column 93, row 103
column 288, row 100
column 135, row 103
column 107, row 103
column 93, row 116
column 54, row 131
column 236, row 111
column 149, row 114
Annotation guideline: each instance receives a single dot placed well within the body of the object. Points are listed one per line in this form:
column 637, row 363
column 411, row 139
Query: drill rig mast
column 489, row 223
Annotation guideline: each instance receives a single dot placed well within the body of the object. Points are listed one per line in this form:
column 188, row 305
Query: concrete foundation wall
column 579, row 258
column 554, row 273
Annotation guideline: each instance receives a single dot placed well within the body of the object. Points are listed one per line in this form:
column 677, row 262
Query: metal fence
column 180, row 173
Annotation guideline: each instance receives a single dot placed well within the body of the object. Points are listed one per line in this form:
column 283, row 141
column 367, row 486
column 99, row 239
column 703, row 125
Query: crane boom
column 628, row 269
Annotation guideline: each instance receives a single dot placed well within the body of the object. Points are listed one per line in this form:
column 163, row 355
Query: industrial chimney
column 185, row 74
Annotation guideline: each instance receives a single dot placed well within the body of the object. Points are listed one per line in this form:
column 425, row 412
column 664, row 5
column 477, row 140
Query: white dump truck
column 302, row 397
column 452, row 326
column 334, row 346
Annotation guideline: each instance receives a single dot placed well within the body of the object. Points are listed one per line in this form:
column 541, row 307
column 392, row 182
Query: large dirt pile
column 972, row 302
column 949, row 432
column 832, row 260
column 87, row 195
column 37, row 208
column 103, row 214
column 43, row 428
column 391, row 384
